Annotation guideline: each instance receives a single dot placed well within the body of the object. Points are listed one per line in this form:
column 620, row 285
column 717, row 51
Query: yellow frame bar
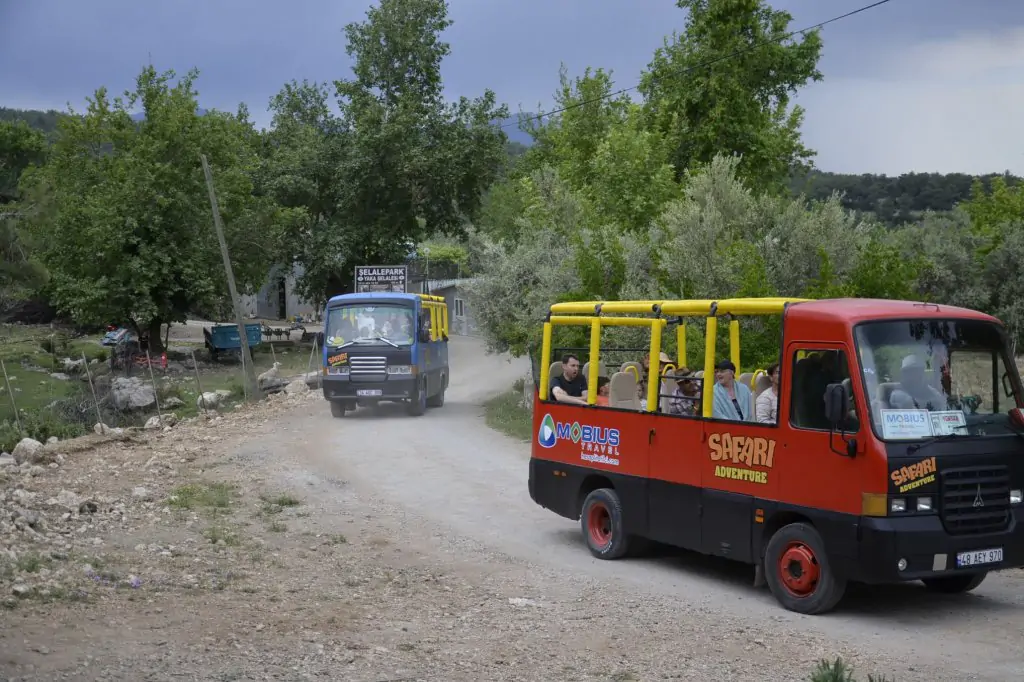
column 707, row 397
column 593, row 314
column 595, row 360
column 681, row 344
column 734, row 343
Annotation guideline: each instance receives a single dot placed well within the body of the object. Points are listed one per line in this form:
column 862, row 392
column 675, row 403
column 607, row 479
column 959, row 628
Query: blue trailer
column 223, row 338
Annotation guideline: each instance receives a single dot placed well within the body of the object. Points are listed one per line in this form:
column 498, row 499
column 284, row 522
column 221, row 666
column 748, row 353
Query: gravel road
column 409, row 549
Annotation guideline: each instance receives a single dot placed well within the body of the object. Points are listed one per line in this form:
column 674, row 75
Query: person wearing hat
column 733, row 401
column 914, row 392
column 685, row 399
column 641, row 387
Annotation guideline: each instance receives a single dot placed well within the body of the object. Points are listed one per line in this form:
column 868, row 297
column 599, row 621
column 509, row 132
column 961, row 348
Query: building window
column 460, row 308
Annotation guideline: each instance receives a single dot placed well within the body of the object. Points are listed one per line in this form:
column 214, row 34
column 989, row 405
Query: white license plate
column 368, row 392
column 980, row 556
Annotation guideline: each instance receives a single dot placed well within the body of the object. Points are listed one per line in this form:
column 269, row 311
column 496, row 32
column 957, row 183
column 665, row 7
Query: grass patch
column 32, row 563
column 504, row 413
column 277, row 527
column 282, row 500
column 839, row 671
column 216, row 496
column 219, row 534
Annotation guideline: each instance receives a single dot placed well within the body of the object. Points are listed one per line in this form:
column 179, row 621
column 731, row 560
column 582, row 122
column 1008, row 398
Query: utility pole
column 250, row 374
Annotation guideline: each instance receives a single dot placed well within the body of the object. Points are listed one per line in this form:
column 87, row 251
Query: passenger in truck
column 572, row 385
column 685, row 400
column 603, row 389
column 733, row 400
column 914, row 391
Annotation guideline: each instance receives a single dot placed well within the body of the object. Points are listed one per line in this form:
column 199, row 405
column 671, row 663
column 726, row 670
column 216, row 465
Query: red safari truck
column 895, row 451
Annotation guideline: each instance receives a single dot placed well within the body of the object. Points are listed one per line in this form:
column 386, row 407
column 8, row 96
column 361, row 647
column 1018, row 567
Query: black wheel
column 418, row 403
column 798, row 572
column 601, row 523
column 337, row 409
column 436, row 400
column 955, row 584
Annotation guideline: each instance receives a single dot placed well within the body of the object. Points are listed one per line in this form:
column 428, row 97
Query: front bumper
column 392, row 388
column 929, row 550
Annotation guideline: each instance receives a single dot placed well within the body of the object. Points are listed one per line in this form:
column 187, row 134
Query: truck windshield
column 370, row 323
column 940, row 377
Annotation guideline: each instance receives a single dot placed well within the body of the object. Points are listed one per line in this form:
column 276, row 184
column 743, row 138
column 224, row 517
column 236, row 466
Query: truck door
column 816, row 473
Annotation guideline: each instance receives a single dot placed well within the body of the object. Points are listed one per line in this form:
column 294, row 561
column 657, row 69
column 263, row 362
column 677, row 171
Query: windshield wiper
column 914, row 447
column 385, row 340
column 991, row 419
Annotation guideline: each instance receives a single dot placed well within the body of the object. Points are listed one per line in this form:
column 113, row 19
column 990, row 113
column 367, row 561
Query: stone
column 297, row 387
column 26, row 449
column 131, row 393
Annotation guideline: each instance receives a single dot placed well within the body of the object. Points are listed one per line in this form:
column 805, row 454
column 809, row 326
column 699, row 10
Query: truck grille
column 975, row 500
column 370, row 368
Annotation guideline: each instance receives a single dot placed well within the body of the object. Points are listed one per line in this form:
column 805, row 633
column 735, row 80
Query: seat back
column 622, row 391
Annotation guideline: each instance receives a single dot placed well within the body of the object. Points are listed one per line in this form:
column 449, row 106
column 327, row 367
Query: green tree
column 131, row 237
column 399, row 162
column 724, row 86
column 20, row 147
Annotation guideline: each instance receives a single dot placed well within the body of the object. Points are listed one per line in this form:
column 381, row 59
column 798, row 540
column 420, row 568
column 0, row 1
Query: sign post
column 371, row 278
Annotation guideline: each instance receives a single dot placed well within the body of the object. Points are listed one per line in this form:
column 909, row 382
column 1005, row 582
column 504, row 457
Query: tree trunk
column 156, row 344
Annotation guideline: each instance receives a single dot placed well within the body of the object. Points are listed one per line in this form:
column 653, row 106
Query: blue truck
column 385, row 346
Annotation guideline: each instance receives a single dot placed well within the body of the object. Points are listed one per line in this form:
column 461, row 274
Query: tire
column 418, row 403
column 798, row 571
column 955, row 584
column 337, row 409
column 437, row 400
column 601, row 524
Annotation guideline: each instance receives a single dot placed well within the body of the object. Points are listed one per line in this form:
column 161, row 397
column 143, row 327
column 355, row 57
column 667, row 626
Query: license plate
column 980, row 556
column 368, row 392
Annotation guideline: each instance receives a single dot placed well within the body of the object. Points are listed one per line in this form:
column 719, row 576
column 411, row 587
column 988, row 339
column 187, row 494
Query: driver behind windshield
column 914, row 392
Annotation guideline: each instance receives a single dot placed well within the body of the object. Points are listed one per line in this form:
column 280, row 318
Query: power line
column 704, row 65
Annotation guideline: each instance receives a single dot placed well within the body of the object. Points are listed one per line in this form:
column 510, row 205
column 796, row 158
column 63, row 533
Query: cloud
column 947, row 106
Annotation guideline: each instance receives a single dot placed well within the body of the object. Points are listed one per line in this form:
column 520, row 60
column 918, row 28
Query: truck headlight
column 343, row 370
column 897, row 504
column 1016, row 496
column 924, row 504
column 399, row 369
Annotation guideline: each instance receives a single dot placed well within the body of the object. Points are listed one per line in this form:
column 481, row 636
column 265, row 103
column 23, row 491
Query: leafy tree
column 991, row 211
column 20, row 147
column 397, row 165
column 723, row 86
column 131, row 236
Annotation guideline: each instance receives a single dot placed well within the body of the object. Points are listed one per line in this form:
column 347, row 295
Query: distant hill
column 893, row 200
column 511, row 128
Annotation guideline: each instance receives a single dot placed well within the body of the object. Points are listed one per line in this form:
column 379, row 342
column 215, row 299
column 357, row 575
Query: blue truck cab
column 385, row 346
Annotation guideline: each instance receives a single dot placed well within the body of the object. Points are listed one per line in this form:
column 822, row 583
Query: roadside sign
column 382, row 278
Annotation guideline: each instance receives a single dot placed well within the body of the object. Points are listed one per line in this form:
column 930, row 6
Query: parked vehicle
column 224, row 338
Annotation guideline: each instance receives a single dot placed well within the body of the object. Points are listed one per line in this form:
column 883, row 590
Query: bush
column 39, row 426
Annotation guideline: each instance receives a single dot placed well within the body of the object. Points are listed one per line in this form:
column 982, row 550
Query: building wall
column 455, row 297
column 266, row 303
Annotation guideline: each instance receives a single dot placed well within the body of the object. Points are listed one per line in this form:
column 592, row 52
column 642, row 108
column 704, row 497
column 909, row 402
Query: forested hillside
column 893, row 199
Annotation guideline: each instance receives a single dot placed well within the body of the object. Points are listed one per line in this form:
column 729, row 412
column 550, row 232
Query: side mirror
column 837, row 405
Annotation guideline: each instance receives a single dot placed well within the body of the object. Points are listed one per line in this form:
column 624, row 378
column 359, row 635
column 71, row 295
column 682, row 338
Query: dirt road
column 409, row 549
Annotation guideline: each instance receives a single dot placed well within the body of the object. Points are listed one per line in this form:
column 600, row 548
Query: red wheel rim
column 799, row 570
column 599, row 524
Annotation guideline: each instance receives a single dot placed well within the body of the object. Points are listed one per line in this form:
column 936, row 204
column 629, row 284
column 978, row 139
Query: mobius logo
column 551, row 432
column 546, row 434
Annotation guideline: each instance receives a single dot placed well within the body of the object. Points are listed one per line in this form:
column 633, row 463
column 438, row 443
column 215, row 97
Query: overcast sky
column 914, row 85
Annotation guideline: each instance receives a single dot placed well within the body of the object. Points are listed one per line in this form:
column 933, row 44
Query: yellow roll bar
column 598, row 314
